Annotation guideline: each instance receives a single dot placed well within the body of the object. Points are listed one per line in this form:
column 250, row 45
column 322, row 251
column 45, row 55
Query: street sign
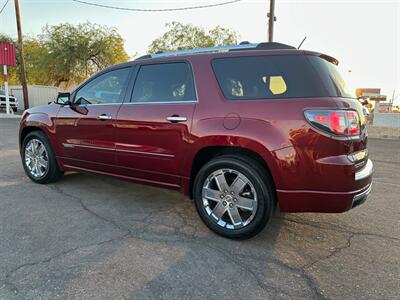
column 7, row 54
column 7, row 58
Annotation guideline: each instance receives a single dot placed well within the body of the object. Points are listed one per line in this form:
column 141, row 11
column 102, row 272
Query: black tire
column 52, row 172
column 261, row 183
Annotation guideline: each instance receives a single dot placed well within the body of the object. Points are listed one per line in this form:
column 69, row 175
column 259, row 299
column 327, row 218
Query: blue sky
column 363, row 35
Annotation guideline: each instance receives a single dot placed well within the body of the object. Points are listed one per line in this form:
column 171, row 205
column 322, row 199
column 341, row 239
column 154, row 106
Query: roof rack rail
column 240, row 47
column 203, row 50
column 273, row 45
column 144, row 56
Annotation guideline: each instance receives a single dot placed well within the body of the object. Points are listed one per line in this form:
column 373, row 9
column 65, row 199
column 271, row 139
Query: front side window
column 106, row 88
column 166, row 82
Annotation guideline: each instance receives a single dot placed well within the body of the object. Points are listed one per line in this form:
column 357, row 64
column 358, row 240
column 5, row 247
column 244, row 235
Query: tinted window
column 261, row 77
column 330, row 76
column 164, row 83
column 106, row 88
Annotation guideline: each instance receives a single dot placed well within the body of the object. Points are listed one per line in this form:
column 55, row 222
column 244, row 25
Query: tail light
column 339, row 122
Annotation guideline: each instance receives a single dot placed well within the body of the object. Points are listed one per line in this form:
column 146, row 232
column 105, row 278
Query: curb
column 377, row 132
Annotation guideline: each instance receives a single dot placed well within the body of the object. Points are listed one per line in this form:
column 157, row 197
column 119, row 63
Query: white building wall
column 387, row 119
column 38, row 95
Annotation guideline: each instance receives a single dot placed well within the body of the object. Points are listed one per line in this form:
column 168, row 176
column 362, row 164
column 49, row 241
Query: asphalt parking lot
column 92, row 237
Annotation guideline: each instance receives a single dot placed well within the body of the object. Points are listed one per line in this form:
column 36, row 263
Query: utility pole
column 21, row 55
column 393, row 96
column 271, row 20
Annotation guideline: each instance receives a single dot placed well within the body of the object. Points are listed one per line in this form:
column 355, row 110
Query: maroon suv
column 239, row 129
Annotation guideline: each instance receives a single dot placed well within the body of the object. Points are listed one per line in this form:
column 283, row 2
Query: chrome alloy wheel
column 36, row 158
column 229, row 198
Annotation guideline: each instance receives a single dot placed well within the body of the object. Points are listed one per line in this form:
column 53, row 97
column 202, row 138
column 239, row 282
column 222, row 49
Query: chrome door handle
column 176, row 119
column 104, row 117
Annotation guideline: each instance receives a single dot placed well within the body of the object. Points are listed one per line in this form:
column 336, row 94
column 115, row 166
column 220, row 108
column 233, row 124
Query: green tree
column 73, row 53
column 35, row 56
column 66, row 54
column 180, row 36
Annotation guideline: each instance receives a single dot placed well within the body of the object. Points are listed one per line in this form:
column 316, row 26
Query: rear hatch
column 326, row 68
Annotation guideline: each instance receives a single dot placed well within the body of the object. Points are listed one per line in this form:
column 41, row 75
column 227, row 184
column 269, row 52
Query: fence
column 38, row 95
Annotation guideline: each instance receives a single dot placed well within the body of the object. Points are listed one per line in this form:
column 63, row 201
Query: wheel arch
column 32, row 127
column 26, row 130
column 208, row 153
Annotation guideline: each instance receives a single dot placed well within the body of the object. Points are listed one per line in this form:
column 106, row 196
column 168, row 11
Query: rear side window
column 267, row 77
column 330, row 76
column 166, row 82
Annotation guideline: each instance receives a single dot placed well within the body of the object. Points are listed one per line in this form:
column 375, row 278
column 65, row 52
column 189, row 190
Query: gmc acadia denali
column 240, row 129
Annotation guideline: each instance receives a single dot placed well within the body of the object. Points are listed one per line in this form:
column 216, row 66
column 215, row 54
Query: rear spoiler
column 330, row 59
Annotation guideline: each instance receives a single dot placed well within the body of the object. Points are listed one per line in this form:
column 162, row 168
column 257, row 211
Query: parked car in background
column 13, row 101
column 240, row 129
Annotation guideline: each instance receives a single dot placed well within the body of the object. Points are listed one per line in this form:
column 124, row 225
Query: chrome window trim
column 125, row 103
column 98, row 104
column 164, row 102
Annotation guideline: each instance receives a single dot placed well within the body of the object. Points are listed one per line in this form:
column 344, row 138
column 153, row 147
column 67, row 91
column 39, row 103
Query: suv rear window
column 272, row 76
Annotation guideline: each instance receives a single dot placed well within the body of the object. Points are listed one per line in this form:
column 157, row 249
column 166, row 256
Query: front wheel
column 233, row 196
column 38, row 158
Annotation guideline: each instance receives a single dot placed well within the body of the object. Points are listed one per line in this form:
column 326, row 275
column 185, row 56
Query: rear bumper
column 365, row 172
column 361, row 197
column 327, row 201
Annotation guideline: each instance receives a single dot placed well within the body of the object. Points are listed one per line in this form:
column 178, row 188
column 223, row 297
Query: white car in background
column 13, row 101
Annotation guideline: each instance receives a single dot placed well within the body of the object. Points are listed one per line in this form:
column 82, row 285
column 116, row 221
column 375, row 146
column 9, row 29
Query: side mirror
column 63, row 98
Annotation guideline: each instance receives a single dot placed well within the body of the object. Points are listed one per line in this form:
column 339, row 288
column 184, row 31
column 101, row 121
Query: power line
column 4, row 6
column 156, row 10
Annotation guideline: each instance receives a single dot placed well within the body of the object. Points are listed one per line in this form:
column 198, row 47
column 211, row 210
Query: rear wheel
column 233, row 196
column 38, row 158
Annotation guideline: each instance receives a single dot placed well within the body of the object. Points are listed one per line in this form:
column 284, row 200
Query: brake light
column 339, row 122
column 354, row 123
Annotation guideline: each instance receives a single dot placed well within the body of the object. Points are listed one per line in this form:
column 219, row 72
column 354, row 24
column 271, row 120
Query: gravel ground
column 96, row 237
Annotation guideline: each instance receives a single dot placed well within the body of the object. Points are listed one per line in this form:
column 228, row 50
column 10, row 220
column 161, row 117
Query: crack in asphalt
column 186, row 239
column 8, row 275
column 80, row 200
column 177, row 231
column 231, row 257
column 332, row 253
column 234, row 258
column 333, row 227
column 312, row 284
